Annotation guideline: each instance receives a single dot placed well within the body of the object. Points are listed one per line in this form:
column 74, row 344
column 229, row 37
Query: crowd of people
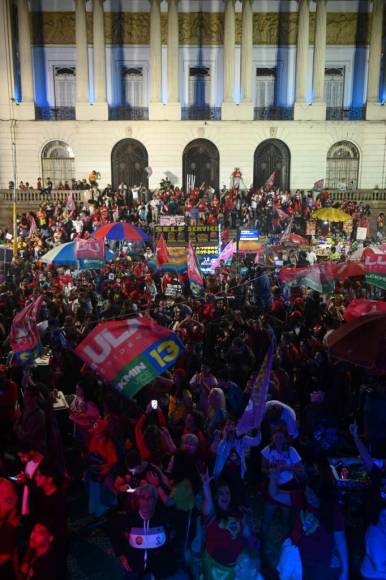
column 177, row 489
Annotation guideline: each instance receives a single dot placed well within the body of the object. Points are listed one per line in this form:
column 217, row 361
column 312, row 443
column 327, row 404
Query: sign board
column 361, row 233
column 249, row 241
column 206, row 255
column 178, row 235
column 172, row 220
column 310, row 227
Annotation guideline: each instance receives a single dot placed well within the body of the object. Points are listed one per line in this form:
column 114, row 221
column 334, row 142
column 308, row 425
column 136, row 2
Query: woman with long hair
column 227, row 532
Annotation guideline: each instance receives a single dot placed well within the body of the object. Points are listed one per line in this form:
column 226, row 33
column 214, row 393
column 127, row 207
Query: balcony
column 274, row 114
column 55, row 113
column 201, row 113
column 345, row 114
column 128, row 114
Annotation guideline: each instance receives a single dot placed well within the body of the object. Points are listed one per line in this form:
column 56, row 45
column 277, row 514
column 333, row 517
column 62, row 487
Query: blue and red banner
column 130, row 353
column 24, row 335
column 195, row 277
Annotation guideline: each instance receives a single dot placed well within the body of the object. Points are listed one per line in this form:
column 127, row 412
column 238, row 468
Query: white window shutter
column 65, row 86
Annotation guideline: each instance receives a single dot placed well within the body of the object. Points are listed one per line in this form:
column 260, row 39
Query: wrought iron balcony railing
column 201, row 113
column 129, row 114
column 345, row 114
column 55, row 113
column 274, row 114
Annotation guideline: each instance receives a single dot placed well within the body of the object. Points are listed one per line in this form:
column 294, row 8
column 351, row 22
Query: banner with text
column 130, row 353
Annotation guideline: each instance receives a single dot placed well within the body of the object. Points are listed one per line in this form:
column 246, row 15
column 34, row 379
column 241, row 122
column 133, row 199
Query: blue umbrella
column 63, row 255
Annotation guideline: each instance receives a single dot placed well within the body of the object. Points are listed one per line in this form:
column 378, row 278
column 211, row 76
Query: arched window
column 58, row 163
column 342, row 166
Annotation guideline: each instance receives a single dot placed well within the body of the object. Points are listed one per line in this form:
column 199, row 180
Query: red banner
column 89, row 249
column 374, row 262
column 130, row 353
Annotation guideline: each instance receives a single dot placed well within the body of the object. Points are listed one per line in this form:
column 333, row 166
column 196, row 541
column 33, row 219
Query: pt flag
column 24, row 335
column 195, row 278
column 130, row 353
column 254, row 411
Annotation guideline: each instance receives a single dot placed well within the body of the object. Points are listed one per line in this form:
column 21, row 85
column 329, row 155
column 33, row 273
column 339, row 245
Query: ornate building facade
column 192, row 89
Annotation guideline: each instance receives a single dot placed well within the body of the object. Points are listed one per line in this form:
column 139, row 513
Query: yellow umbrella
column 331, row 214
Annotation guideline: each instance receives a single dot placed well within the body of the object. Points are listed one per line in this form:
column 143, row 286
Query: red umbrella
column 361, row 307
column 348, row 269
column 121, row 231
column 361, row 341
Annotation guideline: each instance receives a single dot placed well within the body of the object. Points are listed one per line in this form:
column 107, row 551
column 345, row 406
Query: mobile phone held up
column 154, row 404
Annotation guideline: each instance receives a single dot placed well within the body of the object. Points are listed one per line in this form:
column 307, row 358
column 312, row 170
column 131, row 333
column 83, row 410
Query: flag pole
column 14, row 214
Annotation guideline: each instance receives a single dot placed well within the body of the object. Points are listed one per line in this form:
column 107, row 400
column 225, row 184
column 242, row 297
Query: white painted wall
column 93, row 141
column 354, row 60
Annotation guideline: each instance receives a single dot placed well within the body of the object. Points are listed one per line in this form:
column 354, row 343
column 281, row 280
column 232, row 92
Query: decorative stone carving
column 201, row 28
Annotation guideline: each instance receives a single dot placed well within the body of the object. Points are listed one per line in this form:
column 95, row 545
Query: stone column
column 228, row 107
column 26, row 109
column 82, row 101
column 7, row 79
column 247, row 76
column 155, row 106
column 320, row 59
column 301, row 105
column 173, row 108
column 375, row 54
column 100, row 106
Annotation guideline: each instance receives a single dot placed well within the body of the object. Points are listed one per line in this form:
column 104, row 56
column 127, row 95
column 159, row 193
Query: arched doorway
column 58, row 163
column 342, row 166
column 272, row 156
column 129, row 159
column 200, row 164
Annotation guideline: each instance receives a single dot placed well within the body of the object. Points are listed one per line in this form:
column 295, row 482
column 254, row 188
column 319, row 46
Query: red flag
column 271, row 180
column 281, row 214
column 161, row 252
column 24, row 335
